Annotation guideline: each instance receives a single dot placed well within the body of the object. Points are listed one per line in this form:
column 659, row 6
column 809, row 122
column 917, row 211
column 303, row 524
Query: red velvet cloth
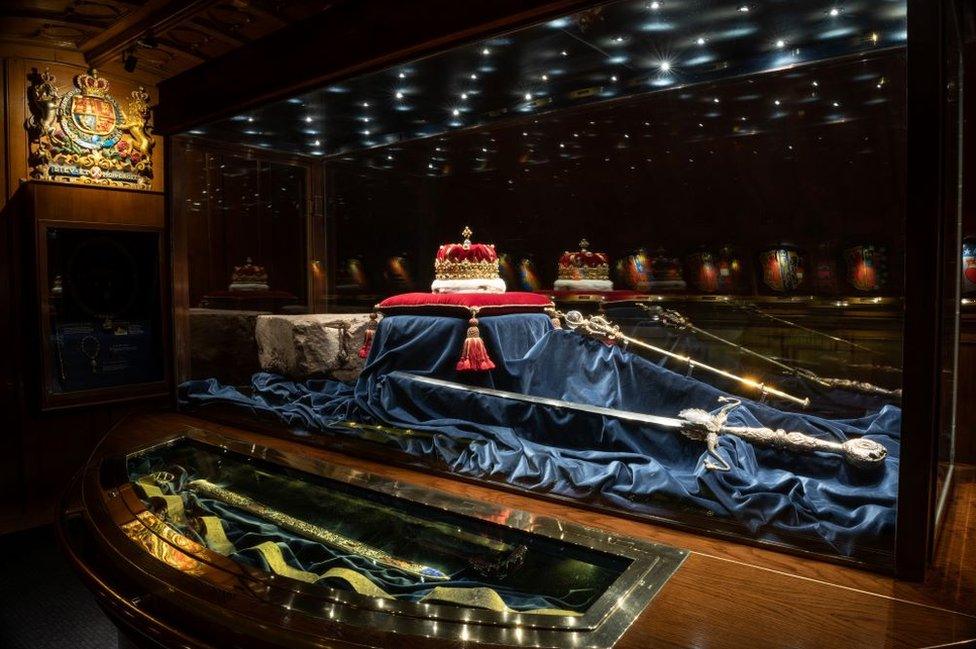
column 461, row 304
column 456, row 252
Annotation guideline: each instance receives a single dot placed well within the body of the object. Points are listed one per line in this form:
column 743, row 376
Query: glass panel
column 952, row 291
column 323, row 531
column 103, row 308
column 738, row 173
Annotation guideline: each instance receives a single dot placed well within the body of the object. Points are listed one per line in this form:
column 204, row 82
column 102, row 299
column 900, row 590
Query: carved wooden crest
column 85, row 136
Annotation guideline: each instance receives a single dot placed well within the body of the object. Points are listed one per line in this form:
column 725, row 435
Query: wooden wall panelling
column 177, row 224
column 39, row 453
column 318, row 288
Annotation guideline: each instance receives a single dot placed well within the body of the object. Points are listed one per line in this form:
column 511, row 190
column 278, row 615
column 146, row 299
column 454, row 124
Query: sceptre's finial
column 584, row 244
column 466, row 232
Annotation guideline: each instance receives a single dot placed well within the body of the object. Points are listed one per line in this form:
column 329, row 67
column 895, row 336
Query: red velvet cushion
column 461, row 304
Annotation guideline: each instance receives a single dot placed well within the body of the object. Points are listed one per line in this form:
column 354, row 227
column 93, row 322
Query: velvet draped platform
column 774, row 494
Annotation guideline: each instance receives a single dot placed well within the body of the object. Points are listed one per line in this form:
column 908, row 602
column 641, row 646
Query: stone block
column 320, row 344
column 222, row 345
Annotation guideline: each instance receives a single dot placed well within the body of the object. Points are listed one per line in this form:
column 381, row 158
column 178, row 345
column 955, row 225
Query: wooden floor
column 733, row 595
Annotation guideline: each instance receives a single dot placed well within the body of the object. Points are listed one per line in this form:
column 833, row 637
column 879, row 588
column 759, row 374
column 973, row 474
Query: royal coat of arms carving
column 85, row 136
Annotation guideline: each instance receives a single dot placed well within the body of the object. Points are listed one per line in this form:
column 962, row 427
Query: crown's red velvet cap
column 584, row 258
column 458, row 252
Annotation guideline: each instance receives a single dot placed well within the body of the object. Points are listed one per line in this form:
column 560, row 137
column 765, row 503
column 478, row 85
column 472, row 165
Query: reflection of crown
column 249, row 273
column 584, row 264
column 466, row 260
column 91, row 83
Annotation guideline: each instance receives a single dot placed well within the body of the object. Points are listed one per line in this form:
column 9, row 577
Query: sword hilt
column 701, row 425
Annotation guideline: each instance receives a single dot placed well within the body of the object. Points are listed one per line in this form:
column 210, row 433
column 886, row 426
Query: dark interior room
column 528, row 323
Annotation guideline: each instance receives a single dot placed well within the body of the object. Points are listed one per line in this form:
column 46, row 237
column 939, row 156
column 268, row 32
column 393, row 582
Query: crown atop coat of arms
column 91, row 84
column 84, row 135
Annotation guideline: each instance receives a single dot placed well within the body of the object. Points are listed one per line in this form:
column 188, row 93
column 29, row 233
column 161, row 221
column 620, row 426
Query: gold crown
column 47, row 76
column 91, row 83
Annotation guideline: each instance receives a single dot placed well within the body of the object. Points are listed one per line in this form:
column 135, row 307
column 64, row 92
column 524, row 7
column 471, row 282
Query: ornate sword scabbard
column 701, row 425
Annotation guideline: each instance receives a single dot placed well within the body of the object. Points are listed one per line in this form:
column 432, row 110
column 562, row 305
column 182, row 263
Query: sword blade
column 628, row 415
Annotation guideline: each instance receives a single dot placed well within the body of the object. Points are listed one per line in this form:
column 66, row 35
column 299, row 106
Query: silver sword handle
column 703, row 426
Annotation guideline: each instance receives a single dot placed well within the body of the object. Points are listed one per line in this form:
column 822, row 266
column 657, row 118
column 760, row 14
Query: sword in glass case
column 752, row 308
column 599, row 327
column 694, row 423
column 672, row 318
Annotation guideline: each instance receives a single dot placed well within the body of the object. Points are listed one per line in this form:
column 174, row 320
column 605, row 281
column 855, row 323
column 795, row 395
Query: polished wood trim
column 725, row 595
column 923, row 287
column 154, row 16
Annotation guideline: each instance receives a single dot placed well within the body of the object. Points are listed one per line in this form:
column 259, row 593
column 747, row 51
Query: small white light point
column 665, row 66
column 834, row 11
column 781, row 43
column 564, row 53
column 402, row 75
column 655, row 6
column 308, row 120
column 700, row 41
column 486, row 51
column 528, row 96
column 744, row 9
column 474, row 77
column 455, row 112
column 399, row 94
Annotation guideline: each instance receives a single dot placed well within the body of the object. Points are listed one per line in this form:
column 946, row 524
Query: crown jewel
column 583, row 265
column 471, row 266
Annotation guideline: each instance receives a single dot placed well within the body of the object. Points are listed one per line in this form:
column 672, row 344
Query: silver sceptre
column 600, row 327
column 694, row 423
column 672, row 318
column 748, row 307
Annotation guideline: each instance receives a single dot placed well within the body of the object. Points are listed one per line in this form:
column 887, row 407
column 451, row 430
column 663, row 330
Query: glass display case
column 93, row 281
column 669, row 260
column 300, row 548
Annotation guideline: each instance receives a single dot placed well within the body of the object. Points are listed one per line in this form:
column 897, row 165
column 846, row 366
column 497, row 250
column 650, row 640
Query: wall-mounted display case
column 696, row 263
column 93, row 287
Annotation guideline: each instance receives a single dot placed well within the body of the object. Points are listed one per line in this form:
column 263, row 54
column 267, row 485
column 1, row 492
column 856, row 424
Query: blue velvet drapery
column 776, row 495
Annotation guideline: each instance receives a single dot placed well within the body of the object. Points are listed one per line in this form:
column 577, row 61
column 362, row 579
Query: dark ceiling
column 613, row 51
